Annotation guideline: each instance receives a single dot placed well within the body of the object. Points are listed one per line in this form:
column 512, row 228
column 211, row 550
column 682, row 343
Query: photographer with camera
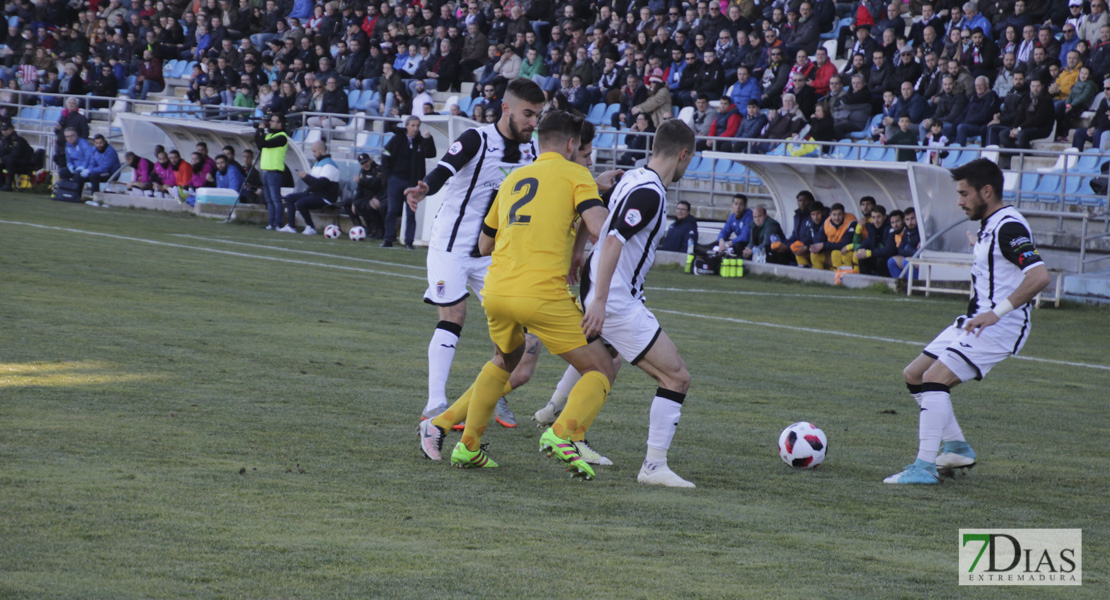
column 273, row 142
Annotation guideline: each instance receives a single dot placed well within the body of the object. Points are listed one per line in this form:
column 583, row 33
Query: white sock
column 666, row 409
column 936, row 412
column 558, row 399
column 441, row 353
column 656, row 456
column 915, row 391
column 952, row 431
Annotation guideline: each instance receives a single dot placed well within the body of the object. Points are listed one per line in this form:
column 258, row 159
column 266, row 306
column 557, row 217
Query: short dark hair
column 558, row 126
column 817, row 206
column 896, row 213
column 588, row 131
column 684, row 203
column 909, row 211
column 980, row 173
column 870, row 199
column 671, row 137
column 808, row 194
column 743, row 197
column 527, row 90
column 837, row 206
column 879, row 208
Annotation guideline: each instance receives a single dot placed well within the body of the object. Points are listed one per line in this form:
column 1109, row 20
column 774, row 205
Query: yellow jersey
column 532, row 220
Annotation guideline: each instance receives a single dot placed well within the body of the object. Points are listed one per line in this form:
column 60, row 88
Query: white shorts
column 970, row 357
column 631, row 329
column 450, row 274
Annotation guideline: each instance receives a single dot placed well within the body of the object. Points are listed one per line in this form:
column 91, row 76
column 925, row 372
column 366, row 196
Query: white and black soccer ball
column 332, row 232
column 357, row 233
column 803, row 445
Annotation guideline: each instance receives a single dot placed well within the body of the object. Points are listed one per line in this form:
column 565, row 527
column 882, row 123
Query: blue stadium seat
column 298, row 135
column 844, row 152
column 1072, row 185
column 866, row 131
column 704, row 170
column 779, row 150
column 739, row 172
column 1028, row 185
column 610, row 110
column 597, row 111
column 464, row 104
column 674, row 112
column 873, row 153
column 51, row 115
column 1088, row 162
column 722, row 171
column 1048, row 189
column 605, row 141
column 1092, row 200
column 179, row 70
column 168, row 67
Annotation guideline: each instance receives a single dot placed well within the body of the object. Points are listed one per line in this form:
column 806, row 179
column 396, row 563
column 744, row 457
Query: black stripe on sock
column 673, row 396
column 914, row 389
column 450, row 327
column 935, row 387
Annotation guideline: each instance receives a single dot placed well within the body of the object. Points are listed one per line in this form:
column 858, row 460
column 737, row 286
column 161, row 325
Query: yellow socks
column 483, row 399
column 583, row 405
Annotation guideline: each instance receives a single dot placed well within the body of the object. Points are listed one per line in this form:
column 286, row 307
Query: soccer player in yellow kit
column 531, row 232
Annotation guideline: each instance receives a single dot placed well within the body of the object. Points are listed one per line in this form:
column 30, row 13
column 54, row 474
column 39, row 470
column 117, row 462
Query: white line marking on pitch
column 860, row 336
column 215, row 251
column 781, row 295
column 310, row 252
column 659, row 310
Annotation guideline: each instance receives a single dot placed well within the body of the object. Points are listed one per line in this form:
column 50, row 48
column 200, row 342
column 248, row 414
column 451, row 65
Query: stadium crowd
column 934, row 74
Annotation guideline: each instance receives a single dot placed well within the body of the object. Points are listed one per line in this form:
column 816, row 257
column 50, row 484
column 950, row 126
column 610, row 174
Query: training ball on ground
column 332, row 232
column 357, row 234
column 803, row 445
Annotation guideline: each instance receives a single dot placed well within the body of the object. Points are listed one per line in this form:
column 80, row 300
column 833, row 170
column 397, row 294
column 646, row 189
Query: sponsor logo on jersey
column 633, row 217
column 441, row 287
column 455, row 148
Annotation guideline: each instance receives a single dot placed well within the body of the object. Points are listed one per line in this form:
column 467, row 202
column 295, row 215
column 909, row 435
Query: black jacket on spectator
column 1035, row 113
column 880, row 80
column 950, row 107
column 710, row 79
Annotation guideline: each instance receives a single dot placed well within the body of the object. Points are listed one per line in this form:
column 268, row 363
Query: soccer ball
column 332, row 232
column 357, row 234
column 803, row 445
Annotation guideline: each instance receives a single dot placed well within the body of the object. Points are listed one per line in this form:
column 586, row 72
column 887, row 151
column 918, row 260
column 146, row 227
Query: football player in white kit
column 1006, row 275
column 613, row 289
column 473, row 167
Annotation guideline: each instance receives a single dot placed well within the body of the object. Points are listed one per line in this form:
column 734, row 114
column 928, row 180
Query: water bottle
column 690, row 253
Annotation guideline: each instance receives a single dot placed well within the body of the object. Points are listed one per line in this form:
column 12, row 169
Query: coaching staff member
column 403, row 163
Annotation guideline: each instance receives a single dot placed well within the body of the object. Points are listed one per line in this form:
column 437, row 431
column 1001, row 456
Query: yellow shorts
column 558, row 323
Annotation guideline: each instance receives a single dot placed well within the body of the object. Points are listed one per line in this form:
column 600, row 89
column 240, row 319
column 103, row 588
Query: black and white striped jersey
column 637, row 215
column 1004, row 251
column 478, row 161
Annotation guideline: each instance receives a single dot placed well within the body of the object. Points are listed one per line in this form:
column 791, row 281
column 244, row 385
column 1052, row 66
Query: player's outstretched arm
column 594, row 316
column 608, row 179
column 1035, row 280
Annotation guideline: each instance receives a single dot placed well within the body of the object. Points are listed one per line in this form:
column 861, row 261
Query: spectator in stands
column 367, row 209
column 1079, row 100
column 1034, row 121
column 746, row 88
column 709, row 79
column 703, row 117
column 737, row 232
column 420, row 97
column 271, row 139
column 864, row 45
column 637, row 141
column 908, row 242
column 322, row 181
column 984, row 55
column 658, row 104
column 767, row 241
column 785, row 123
column 149, row 78
column 904, row 135
column 775, row 77
column 751, row 127
column 807, row 31
column 403, row 161
column 822, row 73
column 881, row 78
column 632, row 94
column 391, row 91
column 1004, row 81
column 803, row 94
column 948, row 107
column 682, row 232
column 330, row 99
column 725, row 125
column 851, row 111
column 870, row 253
column 834, row 234
column 1098, row 125
column 978, row 112
column 16, row 156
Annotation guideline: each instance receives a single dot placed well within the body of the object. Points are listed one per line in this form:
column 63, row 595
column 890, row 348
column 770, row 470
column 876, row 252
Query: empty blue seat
column 1092, row 199
column 1088, row 162
column 607, row 117
column 705, row 169
column 464, row 104
column 597, row 111
column 722, row 171
column 168, row 67
column 1048, row 189
column 605, row 141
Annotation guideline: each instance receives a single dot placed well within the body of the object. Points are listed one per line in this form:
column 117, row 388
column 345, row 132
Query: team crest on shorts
column 441, row 287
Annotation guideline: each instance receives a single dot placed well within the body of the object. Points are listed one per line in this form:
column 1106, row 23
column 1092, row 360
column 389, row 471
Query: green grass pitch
column 197, row 410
